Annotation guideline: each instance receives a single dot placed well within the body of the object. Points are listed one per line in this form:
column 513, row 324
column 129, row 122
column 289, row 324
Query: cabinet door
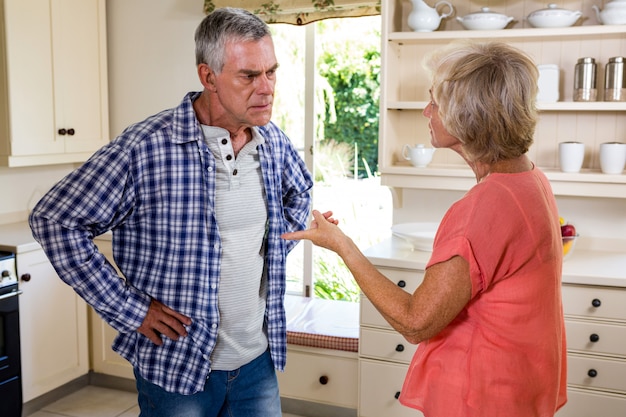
column 320, row 378
column 53, row 327
column 56, row 77
column 78, row 33
column 584, row 403
column 380, row 384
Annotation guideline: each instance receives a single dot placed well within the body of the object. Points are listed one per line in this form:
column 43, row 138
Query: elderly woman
column 488, row 316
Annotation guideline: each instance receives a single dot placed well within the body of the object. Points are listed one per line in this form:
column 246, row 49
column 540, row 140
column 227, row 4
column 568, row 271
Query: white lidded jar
column 548, row 83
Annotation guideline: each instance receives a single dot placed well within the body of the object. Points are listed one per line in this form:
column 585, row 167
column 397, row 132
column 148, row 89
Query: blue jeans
column 250, row 391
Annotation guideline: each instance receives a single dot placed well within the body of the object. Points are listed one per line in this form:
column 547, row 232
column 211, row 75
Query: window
column 327, row 102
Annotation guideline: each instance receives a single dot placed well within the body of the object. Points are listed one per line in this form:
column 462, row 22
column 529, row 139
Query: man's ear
column 206, row 76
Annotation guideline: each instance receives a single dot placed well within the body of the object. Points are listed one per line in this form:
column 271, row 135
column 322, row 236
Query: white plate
column 420, row 235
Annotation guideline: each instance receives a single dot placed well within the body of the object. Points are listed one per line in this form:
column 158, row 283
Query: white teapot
column 614, row 13
column 424, row 18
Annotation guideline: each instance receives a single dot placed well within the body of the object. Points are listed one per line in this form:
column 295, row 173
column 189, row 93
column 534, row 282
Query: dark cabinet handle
column 592, row 373
column 62, row 132
column 594, row 337
column 25, row 277
column 401, row 283
column 400, row 348
column 397, row 395
column 71, row 132
column 596, row 303
column 323, row 380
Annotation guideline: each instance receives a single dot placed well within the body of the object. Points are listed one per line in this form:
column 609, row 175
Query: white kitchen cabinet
column 53, row 81
column 53, row 327
column 103, row 359
column 384, row 355
column 322, row 376
column 595, row 319
column 405, row 85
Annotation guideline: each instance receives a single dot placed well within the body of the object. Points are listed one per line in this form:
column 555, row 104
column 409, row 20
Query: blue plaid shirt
column 154, row 187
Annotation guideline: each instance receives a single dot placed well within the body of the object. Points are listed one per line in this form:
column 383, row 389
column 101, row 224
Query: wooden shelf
column 558, row 106
column 587, row 183
column 574, row 31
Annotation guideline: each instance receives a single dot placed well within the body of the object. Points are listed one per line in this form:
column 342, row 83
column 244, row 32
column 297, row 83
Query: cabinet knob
column 62, row 132
column 323, row 380
column 71, row 132
column 401, row 283
column 596, row 302
column 5, row 273
column 594, row 337
column 400, row 348
column 25, row 277
column 592, row 373
column 397, row 395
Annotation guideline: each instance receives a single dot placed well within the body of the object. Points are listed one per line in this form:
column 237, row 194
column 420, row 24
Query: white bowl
column 485, row 20
column 553, row 17
column 419, row 235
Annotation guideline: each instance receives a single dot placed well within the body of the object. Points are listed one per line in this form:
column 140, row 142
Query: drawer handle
column 592, row 373
column 400, row 348
column 397, row 395
column 25, row 277
column 596, row 302
column 401, row 283
column 594, row 337
column 323, row 380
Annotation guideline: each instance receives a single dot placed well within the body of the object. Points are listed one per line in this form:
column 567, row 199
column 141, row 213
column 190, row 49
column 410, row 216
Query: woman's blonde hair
column 486, row 95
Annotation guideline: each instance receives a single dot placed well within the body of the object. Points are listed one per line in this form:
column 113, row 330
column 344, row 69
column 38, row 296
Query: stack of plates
column 419, row 235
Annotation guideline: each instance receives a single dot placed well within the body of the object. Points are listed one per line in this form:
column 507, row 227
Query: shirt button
column 214, row 326
column 206, row 357
column 224, row 141
column 216, row 246
column 213, row 286
column 210, row 169
column 235, row 172
column 229, row 157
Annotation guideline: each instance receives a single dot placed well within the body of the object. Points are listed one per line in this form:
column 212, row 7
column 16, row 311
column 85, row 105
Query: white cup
column 612, row 157
column 571, row 156
column 419, row 155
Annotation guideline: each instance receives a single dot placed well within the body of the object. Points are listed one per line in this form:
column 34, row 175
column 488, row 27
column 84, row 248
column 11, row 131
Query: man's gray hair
column 225, row 25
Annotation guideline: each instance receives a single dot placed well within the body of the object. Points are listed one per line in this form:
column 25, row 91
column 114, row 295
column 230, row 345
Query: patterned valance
column 299, row 12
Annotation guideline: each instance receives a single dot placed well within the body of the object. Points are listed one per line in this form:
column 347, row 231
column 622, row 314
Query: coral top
column 505, row 353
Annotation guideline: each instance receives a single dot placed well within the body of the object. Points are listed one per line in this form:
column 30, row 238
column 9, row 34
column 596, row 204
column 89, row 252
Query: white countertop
column 17, row 238
column 583, row 266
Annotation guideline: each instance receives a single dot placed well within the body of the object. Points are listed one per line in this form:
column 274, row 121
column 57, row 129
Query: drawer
column 600, row 338
column 584, row 403
column 596, row 302
column 385, row 345
column 595, row 372
column 407, row 279
column 320, row 378
column 381, row 383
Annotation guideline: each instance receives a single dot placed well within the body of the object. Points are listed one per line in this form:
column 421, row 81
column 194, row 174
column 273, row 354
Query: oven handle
column 11, row 294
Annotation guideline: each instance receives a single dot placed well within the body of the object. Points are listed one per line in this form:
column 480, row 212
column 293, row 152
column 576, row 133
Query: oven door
column 10, row 363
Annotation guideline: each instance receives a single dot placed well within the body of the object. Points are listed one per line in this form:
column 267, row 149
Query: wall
column 599, row 218
column 151, row 57
column 151, row 67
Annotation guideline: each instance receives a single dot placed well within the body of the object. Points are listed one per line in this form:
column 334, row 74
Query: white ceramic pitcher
column 424, row 18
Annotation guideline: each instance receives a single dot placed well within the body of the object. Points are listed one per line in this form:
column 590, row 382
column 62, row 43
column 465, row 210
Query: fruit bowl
column 568, row 245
